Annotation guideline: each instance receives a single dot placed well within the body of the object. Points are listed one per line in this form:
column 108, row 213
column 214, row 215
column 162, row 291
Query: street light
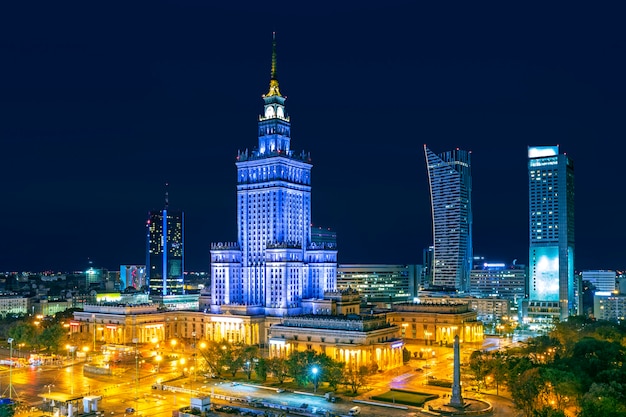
column 315, row 370
column 11, row 389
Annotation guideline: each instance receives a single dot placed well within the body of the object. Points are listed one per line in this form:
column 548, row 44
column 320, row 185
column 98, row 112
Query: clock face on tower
column 269, row 112
column 280, row 112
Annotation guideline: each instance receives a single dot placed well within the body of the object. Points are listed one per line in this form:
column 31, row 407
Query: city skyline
column 95, row 125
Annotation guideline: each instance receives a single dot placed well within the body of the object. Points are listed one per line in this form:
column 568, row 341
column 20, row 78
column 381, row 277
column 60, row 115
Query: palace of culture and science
column 274, row 266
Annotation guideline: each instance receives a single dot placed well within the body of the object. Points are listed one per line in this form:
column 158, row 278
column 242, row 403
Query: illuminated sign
column 542, row 151
column 227, row 319
column 545, row 274
column 74, row 323
column 488, row 265
column 153, row 326
column 277, row 342
column 544, row 162
column 397, row 345
column 603, row 293
column 110, row 326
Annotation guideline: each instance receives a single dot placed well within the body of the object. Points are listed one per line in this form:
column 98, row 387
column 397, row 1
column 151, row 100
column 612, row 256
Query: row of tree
column 577, row 369
column 304, row 367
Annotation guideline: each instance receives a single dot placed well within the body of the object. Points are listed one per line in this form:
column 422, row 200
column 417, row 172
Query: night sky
column 102, row 103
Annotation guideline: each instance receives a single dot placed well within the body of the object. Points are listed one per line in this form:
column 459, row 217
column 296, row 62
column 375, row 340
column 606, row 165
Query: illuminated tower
column 165, row 254
column 274, row 264
column 450, row 181
column 551, row 227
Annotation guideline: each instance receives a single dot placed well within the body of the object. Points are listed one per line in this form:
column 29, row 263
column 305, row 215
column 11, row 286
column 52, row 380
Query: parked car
column 130, row 410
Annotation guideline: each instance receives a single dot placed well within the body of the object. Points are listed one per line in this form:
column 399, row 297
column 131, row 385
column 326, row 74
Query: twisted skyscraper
column 450, row 181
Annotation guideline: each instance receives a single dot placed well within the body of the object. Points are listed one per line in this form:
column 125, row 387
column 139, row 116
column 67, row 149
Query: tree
column 279, row 368
column 603, row 400
column 23, row 332
column 561, row 386
column 52, row 336
column 7, row 410
column 249, row 353
column 300, row 363
column 498, row 369
column 261, row 368
column 548, row 412
column 478, row 367
column 356, row 376
column 215, row 356
column 590, row 357
column 526, row 391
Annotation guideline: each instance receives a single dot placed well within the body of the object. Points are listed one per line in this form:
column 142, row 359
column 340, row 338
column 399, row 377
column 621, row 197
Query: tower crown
column 274, row 126
column 274, row 90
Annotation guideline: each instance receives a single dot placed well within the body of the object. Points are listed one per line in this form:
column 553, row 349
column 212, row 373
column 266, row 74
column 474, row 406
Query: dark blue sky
column 102, row 103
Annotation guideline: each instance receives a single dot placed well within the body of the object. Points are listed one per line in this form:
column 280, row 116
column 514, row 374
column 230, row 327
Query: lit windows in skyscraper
column 551, row 229
column 449, row 177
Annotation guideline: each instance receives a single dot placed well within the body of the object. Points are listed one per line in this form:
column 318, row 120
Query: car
column 355, row 411
column 419, row 370
column 130, row 410
column 279, row 390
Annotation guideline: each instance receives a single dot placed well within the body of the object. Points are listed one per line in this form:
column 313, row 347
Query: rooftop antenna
column 167, row 196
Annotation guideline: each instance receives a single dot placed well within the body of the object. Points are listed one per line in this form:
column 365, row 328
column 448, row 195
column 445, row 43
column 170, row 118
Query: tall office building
column 602, row 280
column 165, row 251
column 275, row 264
column 383, row 285
column 450, row 181
column 551, row 217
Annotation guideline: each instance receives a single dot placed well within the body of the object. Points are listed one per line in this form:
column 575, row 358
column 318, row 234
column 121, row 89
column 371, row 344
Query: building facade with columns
column 353, row 339
column 437, row 322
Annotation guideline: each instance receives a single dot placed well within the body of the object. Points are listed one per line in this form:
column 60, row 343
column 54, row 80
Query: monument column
column 456, row 400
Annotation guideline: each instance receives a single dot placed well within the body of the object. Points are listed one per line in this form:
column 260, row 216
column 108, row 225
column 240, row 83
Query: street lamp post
column 315, row 370
column 11, row 389
column 93, row 317
column 195, row 352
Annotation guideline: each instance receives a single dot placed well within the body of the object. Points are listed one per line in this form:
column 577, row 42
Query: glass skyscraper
column 551, row 227
column 165, row 251
column 450, row 180
column 275, row 263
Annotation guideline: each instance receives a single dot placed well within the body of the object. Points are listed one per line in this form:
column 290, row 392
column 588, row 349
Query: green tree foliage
column 356, row 377
column 590, row 357
column 7, row 410
column 604, row 400
column 24, row 332
column 578, row 368
column 548, row 412
column 52, row 336
column 279, row 368
column 498, row 369
column 527, row 390
column 300, row 364
column 478, row 367
column 261, row 369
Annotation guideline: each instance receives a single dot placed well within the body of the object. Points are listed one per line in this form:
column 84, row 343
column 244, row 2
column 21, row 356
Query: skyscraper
column 450, row 181
column 165, row 251
column 274, row 264
column 551, row 227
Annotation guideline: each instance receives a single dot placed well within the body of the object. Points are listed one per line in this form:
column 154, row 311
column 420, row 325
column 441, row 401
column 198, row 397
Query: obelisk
column 456, row 399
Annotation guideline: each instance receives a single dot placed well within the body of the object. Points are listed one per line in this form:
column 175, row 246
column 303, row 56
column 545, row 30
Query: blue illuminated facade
column 450, row 180
column 165, row 251
column 274, row 264
column 551, row 227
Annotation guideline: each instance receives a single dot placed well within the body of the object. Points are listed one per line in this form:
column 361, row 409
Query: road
column 121, row 390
